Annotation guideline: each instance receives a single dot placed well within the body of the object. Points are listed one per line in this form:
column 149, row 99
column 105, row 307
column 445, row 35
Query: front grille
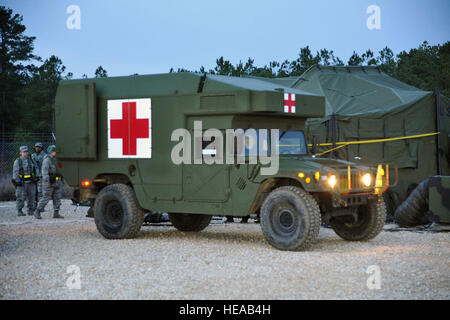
column 356, row 181
column 355, row 184
column 355, row 199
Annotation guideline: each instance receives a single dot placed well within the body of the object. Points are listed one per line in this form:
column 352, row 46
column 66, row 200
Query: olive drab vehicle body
column 116, row 146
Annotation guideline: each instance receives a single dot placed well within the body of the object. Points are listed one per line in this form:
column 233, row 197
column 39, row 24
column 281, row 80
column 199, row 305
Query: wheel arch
column 105, row 179
column 101, row 181
column 267, row 186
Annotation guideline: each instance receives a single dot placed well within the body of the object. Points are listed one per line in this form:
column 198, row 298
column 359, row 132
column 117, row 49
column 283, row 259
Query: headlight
column 332, row 181
column 367, row 179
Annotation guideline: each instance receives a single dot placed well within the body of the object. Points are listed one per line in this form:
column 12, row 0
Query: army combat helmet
column 51, row 148
column 39, row 144
column 23, row 148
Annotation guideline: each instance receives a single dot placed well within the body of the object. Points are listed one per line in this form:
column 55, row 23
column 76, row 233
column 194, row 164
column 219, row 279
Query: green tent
column 363, row 103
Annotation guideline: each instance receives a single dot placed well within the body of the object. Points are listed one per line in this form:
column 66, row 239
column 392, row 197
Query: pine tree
column 15, row 49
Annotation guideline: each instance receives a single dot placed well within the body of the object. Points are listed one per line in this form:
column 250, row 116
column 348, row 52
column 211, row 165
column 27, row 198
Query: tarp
column 364, row 103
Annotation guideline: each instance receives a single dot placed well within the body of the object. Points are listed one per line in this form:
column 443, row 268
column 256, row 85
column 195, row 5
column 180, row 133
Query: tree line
column 424, row 67
column 28, row 83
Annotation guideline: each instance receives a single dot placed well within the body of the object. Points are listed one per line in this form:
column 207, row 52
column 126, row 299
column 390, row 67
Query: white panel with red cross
column 289, row 103
column 129, row 128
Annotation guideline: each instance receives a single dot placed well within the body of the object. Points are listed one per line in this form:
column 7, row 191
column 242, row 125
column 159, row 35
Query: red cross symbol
column 289, row 102
column 129, row 129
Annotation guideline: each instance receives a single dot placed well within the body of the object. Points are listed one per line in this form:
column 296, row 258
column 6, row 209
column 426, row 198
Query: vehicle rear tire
column 290, row 218
column 189, row 222
column 117, row 213
column 371, row 219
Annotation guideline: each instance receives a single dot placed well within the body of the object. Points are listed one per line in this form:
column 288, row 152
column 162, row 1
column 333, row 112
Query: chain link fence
column 9, row 152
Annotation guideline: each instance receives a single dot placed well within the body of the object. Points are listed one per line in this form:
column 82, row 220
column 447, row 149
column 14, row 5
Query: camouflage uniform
column 51, row 185
column 38, row 158
column 25, row 176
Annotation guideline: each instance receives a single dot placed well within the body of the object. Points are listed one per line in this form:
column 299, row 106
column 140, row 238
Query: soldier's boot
column 20, row 213
column 30, row 212
column 230, row 219
column 37, row 214
column 244, row 219
column 56, row 215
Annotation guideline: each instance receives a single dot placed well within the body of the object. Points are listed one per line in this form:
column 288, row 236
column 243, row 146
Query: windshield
column 258, row 143
column 292, row 142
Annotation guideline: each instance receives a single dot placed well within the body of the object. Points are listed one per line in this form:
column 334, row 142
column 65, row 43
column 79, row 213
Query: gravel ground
column 225, row 261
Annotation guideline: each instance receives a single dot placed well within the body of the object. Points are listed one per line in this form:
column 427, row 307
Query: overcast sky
column 143, row 36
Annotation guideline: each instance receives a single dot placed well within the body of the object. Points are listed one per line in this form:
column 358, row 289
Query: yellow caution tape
column 343, row 144
column 322, row 153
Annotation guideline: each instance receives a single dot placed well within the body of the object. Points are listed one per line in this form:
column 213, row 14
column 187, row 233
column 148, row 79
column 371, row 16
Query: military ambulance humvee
column 117, row 138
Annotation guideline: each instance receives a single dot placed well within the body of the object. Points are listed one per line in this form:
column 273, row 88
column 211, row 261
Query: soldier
column 38, row 157
column 51, row 184
column 25, row 177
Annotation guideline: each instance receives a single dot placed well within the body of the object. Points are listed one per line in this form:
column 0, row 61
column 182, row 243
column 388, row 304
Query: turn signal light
column 86, row 183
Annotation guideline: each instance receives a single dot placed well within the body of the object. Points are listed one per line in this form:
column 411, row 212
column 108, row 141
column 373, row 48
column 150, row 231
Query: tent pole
column 438, row 129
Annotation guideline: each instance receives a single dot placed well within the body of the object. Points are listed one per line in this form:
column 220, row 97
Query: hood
column 305, row 163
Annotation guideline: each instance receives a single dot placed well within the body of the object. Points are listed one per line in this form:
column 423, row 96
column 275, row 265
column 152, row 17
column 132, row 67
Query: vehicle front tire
column 370, row 222
column 290, row 218
column 189, row 222
column 117, row 213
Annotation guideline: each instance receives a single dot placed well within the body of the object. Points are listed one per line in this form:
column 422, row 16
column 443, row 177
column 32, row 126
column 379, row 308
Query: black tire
column 371, row 219
column 290, row 218
column 117, row 213
column 412, row 211
column 189, row 222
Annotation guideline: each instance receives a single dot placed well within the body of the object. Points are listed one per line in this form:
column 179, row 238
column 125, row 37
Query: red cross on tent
column 289, row 103
column 129, row 129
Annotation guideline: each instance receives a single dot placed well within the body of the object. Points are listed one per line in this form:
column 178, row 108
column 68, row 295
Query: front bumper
column 348, row 180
